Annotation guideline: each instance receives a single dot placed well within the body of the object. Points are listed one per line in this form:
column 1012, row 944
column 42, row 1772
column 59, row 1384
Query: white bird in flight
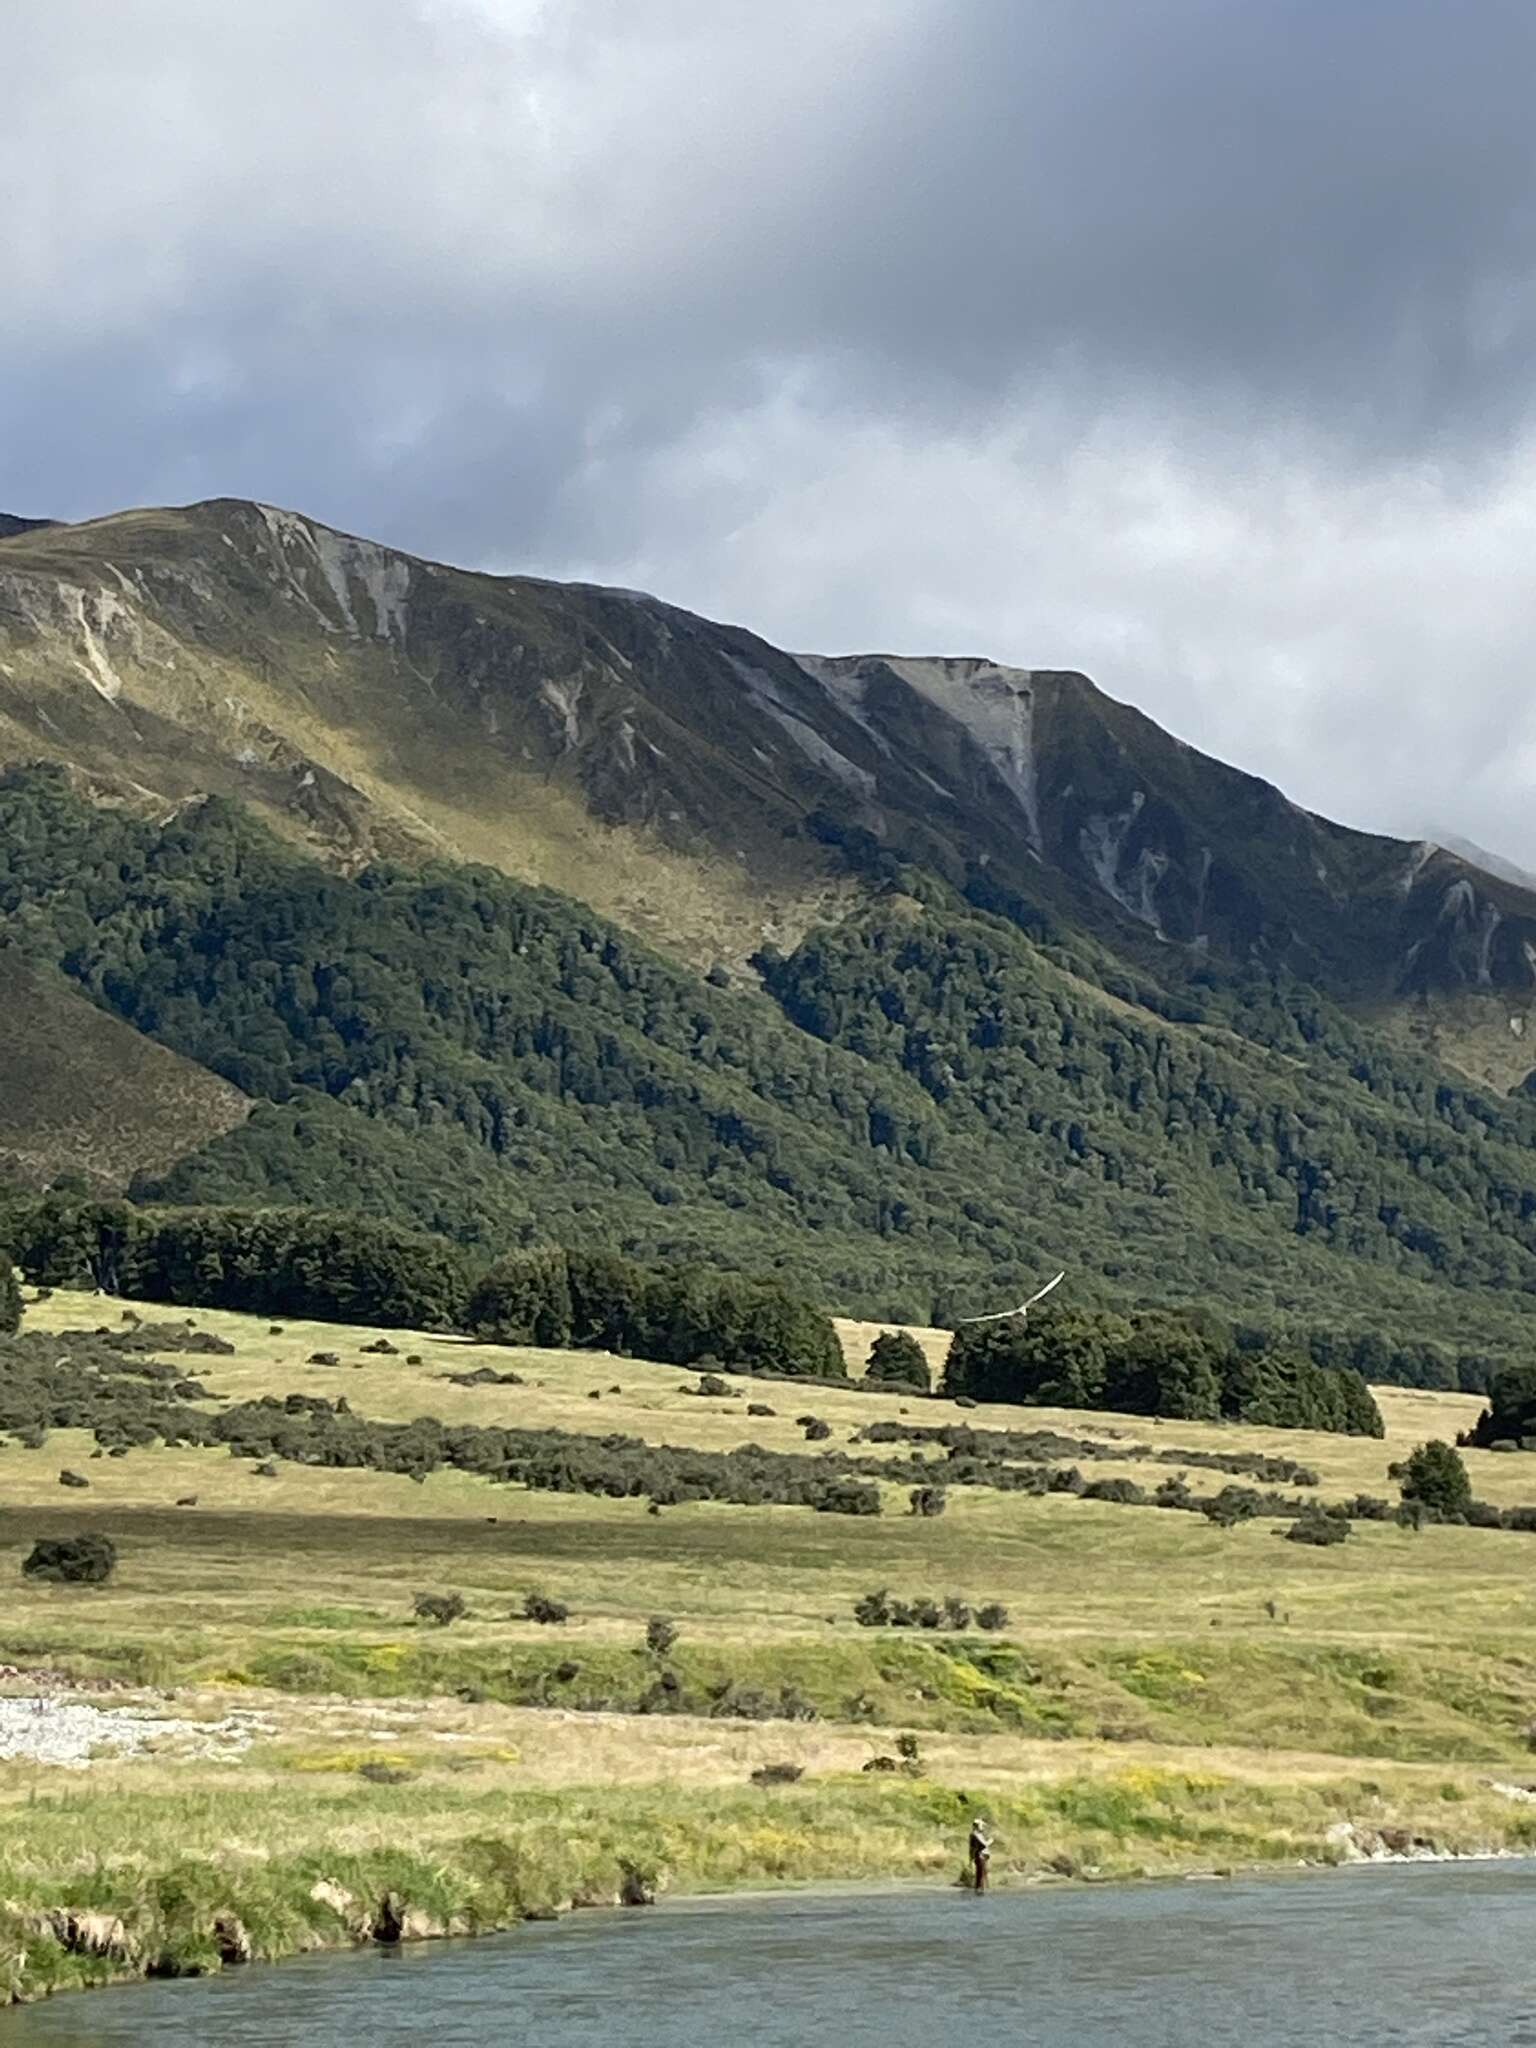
column 1001, row 1315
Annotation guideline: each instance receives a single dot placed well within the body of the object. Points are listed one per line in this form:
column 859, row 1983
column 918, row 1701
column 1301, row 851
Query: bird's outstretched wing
column 1001, row 1315
column 1044, row 1291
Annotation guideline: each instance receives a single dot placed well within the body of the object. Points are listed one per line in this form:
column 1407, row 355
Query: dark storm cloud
column 1189, row 343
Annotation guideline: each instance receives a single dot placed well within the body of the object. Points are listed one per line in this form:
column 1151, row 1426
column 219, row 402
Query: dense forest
column 904, row 1116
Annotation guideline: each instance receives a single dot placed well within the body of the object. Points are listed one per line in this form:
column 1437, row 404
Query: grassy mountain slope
column 83, row 1094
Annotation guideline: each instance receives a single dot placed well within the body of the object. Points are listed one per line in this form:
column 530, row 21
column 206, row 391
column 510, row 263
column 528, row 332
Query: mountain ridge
column 529, row 911
column 708, row 790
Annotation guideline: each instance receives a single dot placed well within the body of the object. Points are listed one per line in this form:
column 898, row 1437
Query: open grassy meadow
column 1165, row 1693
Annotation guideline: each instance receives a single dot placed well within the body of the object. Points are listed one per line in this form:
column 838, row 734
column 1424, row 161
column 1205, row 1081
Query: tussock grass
column 1168, row 1695
column 308, row 1856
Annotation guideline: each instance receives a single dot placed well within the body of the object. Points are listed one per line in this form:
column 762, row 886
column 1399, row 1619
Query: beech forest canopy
column 929, row 1105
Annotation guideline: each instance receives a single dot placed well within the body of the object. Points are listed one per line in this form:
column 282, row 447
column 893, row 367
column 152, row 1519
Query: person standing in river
column 979, row 1849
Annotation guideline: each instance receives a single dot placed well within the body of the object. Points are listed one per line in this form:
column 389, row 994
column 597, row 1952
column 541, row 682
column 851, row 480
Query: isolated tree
column 896, row 1359
column 1435, row 1477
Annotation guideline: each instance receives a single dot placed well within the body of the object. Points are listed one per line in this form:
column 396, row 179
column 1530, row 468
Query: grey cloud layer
column 1190, row 344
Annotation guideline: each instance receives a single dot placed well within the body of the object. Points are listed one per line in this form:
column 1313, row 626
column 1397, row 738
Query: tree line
column 305, row 1264
column 1154, row 1363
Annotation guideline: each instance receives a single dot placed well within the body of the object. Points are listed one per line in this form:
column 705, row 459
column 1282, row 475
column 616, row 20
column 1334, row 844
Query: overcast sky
column 1187, row 342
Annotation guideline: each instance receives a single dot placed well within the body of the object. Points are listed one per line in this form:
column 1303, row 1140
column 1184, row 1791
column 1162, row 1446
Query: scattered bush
column 927, row 1502
column 660, row 1634
column 1317, row 1528
column 758, row 1408
column 1124, row 1491
column 881, row 1610
column 439, row 1608
column 72, row 1560
column 538, row 1607
column 993, row 1616
column 848, row 1497
column 1232, row 1505
column 817, row 1431
column 68, row 1478
column 777, row 1774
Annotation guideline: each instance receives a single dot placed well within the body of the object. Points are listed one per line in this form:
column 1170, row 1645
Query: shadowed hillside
column 82, row 1094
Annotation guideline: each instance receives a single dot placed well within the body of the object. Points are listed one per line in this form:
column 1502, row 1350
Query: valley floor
column 320, row 1766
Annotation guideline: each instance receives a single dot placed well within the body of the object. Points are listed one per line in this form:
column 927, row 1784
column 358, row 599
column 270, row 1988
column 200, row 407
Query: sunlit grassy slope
column 322, row 1564
column 1166, row 1695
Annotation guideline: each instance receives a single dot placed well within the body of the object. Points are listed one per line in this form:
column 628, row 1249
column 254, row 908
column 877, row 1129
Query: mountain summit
column 699, row 785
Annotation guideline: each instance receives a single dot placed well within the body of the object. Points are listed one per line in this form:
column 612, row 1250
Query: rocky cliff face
column 684, row 776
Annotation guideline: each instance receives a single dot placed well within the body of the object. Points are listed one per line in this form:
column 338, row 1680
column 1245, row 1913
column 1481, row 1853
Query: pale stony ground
column 54, row 1728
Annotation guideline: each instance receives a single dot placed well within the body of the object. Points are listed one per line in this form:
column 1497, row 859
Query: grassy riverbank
column 1166, row 1695
column 168, row 1867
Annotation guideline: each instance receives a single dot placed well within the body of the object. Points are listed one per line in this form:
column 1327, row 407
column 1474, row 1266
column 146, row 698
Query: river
column 1419, row 1956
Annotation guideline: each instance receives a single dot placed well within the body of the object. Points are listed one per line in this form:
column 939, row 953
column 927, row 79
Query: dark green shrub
column 1317, row 1528
column 10, row 1296
column 660, row 1634
column 848, row 1497
column 1511, row 1414
column 927, row 1502
column 993, row 1616
column 1435, row 1477
column 817, row 1431
column 72, row 1560
column 1125, row 1491
column 777, row 1774
column 439, row 1608
column 896, row 1360
column 1232, row 1505
column 873, row 1610
column 538, row 1607
column 957, row 1612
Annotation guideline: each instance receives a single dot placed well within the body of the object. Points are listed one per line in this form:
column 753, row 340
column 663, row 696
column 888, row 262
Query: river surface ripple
column 1423, row 1956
